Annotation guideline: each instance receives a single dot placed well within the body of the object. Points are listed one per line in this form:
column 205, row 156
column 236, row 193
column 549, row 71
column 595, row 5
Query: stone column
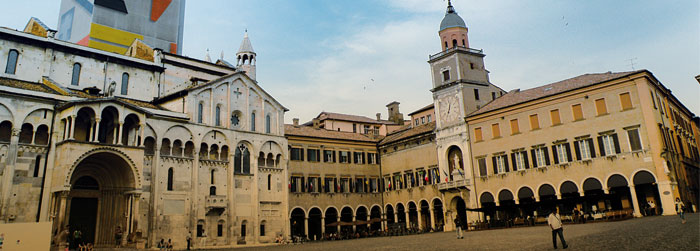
column 635, row 202
column 420, row 215
column 407, row 219
column 537, row 198
column 120, row 127
column 8, row 173
column 71, row 133
column 323, row 226
column 63, row 203
column 142, row 128
column 354, row 218
column 97, row 131
column 306, row 227
column 432, row 217
column 91, row 131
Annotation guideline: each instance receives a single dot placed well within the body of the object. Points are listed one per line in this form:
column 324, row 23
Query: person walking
column 458, row 224
column 554, row 221
column 77, row 237
column 118, row 236
column 680, row 209
column 189, row 240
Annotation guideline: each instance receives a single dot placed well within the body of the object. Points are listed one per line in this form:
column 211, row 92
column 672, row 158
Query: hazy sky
column 320, row 55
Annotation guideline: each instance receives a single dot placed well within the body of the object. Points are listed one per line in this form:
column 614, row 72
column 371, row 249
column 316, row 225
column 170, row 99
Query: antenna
column 632, row 63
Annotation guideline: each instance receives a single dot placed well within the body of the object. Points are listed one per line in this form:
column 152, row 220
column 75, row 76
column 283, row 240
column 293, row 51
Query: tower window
column 446, row 75
column 170, row 179
column 200, row 111
column 445, row 45
column 11, row 62
column 476, row 94
column 125, row 83
column 464, row 43
column 218, row 116
column 252, row 121
column 76, row 74
column 471, row 65
column 493, row 95
column 454, row 43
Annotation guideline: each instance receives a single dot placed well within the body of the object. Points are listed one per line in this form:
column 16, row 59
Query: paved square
column 650, row 233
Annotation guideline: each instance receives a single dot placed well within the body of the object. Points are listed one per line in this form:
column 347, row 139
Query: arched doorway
column 526, row 199
column 548, row 200
column 331, row 217
column 102, row 198
column 297, row 222
column 619, row 193
column 438, row 213
column 390, row 215
column 375, row 216
column 315, row 224
column 506, row 209
column 401, row 215
column 460, row 207
column 412, row 215
column 569, row 197
column 488, row 205
column 346, row 217
column 361, row 216
column 594, row 197
column 424, row 215
column 647, row 193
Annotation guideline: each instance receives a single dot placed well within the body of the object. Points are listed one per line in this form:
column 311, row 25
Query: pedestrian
column 169, row 245
column 189, row 239
column 161, row 244
column 652, row 207
column 680, row 209
column 458, row 225
column 118, row 236
column 554, row 221
column 77, row 237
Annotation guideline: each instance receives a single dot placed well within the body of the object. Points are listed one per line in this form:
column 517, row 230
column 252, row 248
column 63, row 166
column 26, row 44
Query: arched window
column 37, row 164
column 445, row 45
column 165, row 148
column 212, row 176
column 464, row 43
column 241, row 160
column 26, row 133
column 41, row 137
column 269, row 178
column 212, row 190
column 218, row 116
column 150, row 146
column 252, row 121
column 262, row 228
column 76, row 74
column 200, row 112
column 170, row 179
column 125, row 83
column 5, row 131
column 454, row 43
column 267, row 124
column 11, row 62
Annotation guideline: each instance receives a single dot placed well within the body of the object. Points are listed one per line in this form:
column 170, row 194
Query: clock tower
column 460, row 86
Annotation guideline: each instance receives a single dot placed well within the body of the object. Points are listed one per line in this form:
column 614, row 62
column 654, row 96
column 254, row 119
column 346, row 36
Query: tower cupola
column 246, row 57
column 453, row 30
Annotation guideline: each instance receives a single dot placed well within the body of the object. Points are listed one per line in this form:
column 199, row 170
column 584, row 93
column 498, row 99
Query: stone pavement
column 650, row 233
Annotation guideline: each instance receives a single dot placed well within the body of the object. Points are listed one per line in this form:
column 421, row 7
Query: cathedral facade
column 147, row 146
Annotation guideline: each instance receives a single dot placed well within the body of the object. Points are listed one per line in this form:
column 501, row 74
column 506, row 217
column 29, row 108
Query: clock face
column 449, row 109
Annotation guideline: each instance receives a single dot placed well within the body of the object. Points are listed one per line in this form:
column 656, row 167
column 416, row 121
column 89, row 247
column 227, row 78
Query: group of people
column 78, row 243
column 167, row 246
column 650, row 208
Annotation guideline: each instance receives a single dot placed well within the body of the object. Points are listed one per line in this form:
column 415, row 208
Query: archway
column 526, row 198
column 460, row 207
column 548, row 199
column 594, row 197
column 346, row 217
column 361, row 216
column 507, row 210
column 569, row 197
column 647, row 193
column 438, row 213
column 488, row 205
column 390, row 215
column 401, row 215
column 375, row 216
column 297, row 222
column 412, row 215
column 619, row 192
column 331, row 217
column 425, row 215
column 315, row 224
column 102, row 198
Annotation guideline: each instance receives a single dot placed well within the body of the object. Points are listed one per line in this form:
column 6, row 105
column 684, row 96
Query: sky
column 357, row 56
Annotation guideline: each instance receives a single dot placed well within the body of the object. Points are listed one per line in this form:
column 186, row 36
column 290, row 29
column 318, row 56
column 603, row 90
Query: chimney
column 296, row 121
column 379, row 116
column 317, row 123
column 394, row 114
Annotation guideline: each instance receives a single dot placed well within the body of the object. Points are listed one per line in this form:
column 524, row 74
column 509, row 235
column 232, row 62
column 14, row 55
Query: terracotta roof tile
column 21, row 84
column 351, row 118
column 516, row 97
column 308, row 131
column 407, row 133
column 425, row 108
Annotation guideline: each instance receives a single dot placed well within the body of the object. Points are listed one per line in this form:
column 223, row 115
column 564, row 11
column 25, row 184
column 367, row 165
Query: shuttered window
column 514, row 128
column 534, row 122
column 482, row 167
column 600, row 107
column 554, row 114
column 626, row 101
column 496, row 130
column 635, row 141
column 477, row 134
column 577, row 111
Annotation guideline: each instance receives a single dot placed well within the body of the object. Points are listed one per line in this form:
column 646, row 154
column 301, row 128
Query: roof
column 451, row 18
column 407, row 133
column 517, row 97
column 309, row 131
column 246, row 46
column 352, row 118
column 427, row 107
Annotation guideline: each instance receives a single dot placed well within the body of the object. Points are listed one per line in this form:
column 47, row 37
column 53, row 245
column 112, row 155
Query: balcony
column 216, row 201
column 454, row 185
column 458, row 48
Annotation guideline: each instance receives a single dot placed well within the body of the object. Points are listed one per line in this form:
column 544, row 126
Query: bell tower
column 246, row 57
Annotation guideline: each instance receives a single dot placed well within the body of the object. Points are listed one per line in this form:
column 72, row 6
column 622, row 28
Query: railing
column 458, row 48
column 453, row 184
column 216, row 201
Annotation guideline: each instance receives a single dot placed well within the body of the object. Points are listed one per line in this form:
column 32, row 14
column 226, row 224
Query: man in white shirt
column 554, row 221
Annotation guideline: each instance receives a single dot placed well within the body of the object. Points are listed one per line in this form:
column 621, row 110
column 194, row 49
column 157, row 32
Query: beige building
column 605, row 142
column 152, row 144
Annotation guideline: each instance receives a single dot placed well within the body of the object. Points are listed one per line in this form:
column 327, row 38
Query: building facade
column 92, row 140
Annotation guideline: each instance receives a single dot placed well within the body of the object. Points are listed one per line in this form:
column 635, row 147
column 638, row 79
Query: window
column 354, row 128
column 562, row 153
column 234, row 119
column 584, row 149
column 496, row 131
column 577, row 111
column 269, row 182
column 243, row 228
column 200, row 113
column 328, row 185
column 445, row 75
column 519, row 160
column 37, row 164
column 268, row 125
column 477, row 134
column 344, row 156
column 211, row 176
column 125, row 83
column 493, row 95
column 554, row 114
column 297, row 154
column 217, row 116
column 359, row 158
column 328, row 156
column 471, row 65
column 11, row 62
column 422, row 120
column 241, row 160
column 170, row 179
column 476, row 94
column 514, row 128
column 600, row 107
column 366, row 129
column 540, row 157
column 295, row 184
column 500, row 164
column 262, row 229
column 608, row 144
column 635, row 141
column 482, row 167
column 429, row 118
column 416, row 121
column 371, row 158
column 252, row 121
column 212, row 190
column 653, row 101
column 76, row 75
column 534, row 122
column 220, row 229
column 313, row 155
column 626, row 101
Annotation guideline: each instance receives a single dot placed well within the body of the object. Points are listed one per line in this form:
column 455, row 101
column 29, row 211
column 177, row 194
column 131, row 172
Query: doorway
column 83, row 217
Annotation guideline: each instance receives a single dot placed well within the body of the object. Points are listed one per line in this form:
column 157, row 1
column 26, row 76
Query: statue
column 111, row 88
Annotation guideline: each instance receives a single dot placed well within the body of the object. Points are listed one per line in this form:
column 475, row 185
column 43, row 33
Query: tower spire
column 246, row 57
column 450, row 9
